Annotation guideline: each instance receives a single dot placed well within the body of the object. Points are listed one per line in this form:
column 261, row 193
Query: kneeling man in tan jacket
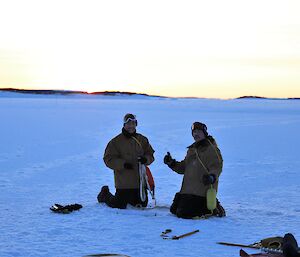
column 123, row 155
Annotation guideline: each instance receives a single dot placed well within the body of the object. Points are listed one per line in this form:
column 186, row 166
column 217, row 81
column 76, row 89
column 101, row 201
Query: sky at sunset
column 215, row 49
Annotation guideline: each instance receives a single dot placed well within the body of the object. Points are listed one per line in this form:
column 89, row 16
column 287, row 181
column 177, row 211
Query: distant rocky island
column 69, row 92
column 269, row 98
column 41, row 91
column 251, row 97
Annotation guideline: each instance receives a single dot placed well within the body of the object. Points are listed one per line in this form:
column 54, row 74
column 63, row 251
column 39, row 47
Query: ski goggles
column 130, row 118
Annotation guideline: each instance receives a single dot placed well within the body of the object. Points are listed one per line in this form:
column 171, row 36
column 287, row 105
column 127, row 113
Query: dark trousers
column 188, row 206
column 124, row 197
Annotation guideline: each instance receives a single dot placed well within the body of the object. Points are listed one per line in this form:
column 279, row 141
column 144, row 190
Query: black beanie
column 200, row 126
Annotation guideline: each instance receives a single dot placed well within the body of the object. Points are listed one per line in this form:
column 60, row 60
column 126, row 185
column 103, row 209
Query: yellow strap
column 138, row 142
column 198, row 157
column 219, row 158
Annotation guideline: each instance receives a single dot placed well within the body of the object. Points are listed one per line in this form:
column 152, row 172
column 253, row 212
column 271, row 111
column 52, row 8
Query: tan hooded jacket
column 123, row 149
column 192, row 168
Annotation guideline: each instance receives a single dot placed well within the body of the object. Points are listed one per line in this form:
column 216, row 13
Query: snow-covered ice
column 51, row 151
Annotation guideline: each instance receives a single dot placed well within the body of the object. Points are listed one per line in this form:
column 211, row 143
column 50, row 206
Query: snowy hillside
column 51, row 151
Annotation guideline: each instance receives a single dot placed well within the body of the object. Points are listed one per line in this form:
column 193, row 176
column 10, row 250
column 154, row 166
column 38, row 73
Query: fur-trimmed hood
column 203, row 143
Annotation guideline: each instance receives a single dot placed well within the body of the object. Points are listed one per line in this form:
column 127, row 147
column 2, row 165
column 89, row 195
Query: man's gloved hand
column 209, row 179
column 169, row 160
column 142, row 159
column 128, row 166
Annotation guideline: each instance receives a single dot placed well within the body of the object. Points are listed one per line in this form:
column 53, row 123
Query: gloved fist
column 142, row 159
column 128, row 166
column 209, row 179
column 169, row 160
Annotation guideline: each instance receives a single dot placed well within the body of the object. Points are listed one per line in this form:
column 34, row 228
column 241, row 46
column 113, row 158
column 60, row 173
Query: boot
column 219, row 211
column 290, row 246
column 102, row 196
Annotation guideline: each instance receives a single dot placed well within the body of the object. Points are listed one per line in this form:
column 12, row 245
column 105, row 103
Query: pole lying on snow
column 182, row 236
column 256, row 246
column 253, row 246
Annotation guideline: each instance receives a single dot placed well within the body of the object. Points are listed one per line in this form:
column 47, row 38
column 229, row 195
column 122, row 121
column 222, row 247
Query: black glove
column 209, row 179
column 169, row 160
column 142, row 159
column 128, row 166
column 65, row 209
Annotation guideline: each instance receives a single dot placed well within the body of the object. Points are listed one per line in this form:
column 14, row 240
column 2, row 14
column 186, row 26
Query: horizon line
column 107, row 92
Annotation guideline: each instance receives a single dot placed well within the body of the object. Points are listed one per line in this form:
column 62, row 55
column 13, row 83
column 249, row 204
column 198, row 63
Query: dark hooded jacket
column 202, row 158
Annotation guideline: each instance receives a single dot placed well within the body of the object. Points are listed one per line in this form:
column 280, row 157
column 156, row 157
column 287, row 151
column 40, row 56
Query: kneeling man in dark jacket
column 201, row 168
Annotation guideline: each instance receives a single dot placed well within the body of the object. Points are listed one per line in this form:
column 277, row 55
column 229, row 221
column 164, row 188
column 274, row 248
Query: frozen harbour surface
column 51, row 152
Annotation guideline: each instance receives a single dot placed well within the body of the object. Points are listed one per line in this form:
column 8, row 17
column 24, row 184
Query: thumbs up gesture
column 168, row 159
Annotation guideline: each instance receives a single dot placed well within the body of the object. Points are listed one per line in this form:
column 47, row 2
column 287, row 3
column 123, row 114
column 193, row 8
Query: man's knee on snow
column 175, row 203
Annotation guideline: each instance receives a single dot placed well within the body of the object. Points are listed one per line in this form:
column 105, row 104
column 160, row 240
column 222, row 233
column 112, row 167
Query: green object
column 211, row 201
